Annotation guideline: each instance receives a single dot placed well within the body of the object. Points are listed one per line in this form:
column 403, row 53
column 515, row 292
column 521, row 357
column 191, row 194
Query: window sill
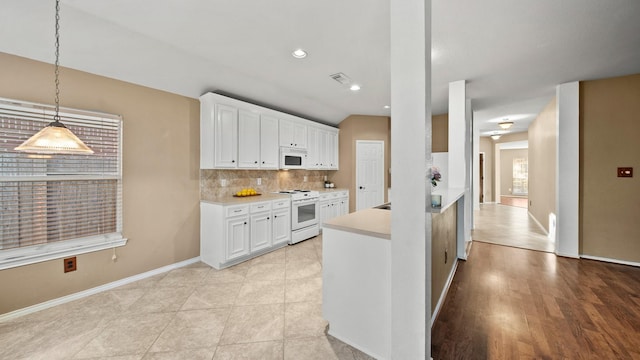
column 11, row 258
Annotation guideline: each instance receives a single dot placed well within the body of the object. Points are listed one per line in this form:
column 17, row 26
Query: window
column 520, row 176
column 54, row 206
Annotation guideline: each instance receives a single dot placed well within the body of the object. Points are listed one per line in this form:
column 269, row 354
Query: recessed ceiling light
column 354, row 87
column 299, row 54
column 495, row 137
column 387, row 107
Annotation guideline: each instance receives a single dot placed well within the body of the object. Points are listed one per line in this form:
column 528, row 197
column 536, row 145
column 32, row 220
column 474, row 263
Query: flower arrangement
column 435, row 176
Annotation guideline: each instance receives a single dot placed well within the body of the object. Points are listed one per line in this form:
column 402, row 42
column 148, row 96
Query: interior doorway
column 369, row 173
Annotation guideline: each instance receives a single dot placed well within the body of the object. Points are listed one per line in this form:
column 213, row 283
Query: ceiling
column 512, row 52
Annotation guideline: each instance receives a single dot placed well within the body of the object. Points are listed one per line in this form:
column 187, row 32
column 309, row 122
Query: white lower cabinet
column 230, row 234
column 237, row 229
column 333, row 204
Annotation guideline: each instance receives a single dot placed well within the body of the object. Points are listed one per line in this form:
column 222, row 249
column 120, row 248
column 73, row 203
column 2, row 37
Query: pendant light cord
column 56, row 116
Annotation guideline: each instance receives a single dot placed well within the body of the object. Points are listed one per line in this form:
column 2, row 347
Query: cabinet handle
column 268, row 218
column 361, row 187
column 236, row 211
column 275, row 216
column 263, row 162
column 245, row 223
column 233, row 161
column 291, row 144
column 260, row 207
column 255, row 162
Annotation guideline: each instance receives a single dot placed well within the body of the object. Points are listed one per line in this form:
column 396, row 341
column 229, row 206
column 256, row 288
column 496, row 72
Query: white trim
column 568, row 255
column 444, row 293
column 98, row 289
column 11, row 258
column 609, row 260
column 538, row 222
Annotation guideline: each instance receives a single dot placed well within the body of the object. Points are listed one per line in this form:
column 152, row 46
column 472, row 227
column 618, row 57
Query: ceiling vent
column 341, row 78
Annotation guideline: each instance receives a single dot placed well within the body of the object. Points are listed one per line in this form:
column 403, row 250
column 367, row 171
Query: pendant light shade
column 55, row 138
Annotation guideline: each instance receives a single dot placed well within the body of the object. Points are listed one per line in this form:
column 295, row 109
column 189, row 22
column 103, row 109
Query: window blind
column 47, row 199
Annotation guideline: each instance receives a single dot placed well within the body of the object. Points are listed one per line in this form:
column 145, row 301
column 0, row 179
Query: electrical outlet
column 223, row 182
column 306, row 178
column 70, row 264
column 259, row 181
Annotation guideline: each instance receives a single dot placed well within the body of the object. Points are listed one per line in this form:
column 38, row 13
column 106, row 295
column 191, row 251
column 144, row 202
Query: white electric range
column 305, row 214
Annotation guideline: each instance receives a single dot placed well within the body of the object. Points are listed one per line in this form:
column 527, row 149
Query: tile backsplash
column 211, row 181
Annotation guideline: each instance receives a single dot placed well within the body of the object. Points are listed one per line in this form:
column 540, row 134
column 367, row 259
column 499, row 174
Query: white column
column 568, row 167
column 457, row 134
column 410, row 156
column 460, row 151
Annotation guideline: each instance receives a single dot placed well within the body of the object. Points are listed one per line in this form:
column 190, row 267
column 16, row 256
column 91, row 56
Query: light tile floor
column 510, row 226
column 265, row 308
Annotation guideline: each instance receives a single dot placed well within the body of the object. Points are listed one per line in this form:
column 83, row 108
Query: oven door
column 304, row 213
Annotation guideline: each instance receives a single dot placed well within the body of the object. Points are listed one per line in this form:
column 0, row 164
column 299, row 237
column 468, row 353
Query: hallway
column 510, row 226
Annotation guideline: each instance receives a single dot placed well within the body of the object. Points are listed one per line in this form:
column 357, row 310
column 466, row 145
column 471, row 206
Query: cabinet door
column 299, row 135
column 344, row 207
column 260, row 231
column 332, row 150
column 281, row 226
column 322, row 149
column 248, row 140
column 286, row 133
column 325, row 212
column 237, row 237
column 226, row 137
column 269, row 147
column 313, row 156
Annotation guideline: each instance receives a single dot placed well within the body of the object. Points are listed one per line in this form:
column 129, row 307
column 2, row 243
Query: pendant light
column 55, row 138
column 505, row 124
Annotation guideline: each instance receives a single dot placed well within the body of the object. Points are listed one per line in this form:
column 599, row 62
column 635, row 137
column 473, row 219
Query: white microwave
column 293, row 158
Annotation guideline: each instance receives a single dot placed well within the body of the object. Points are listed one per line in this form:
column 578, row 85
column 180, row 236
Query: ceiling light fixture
column 495, row 137
column 354, row 87
column 505, row 124
column 299, row 54
column 55, row 138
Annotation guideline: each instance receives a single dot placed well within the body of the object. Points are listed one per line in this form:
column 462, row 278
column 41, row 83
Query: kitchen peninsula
column 357, row 261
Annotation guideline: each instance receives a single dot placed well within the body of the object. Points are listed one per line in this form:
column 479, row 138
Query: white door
column 369, row 173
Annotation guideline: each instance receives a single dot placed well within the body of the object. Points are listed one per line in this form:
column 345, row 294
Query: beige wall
column 440, row 133
column 160, row 179
column 443, row 238
column 609, row 133
column 542, row 164
column 486, row 146
column 506, row 168
column 360, row 127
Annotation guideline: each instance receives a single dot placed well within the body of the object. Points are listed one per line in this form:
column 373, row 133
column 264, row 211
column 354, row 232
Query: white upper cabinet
column 248, row 140
column 226, row 137
column 239, row 135
column 269, row 149
column 293, row 134
column 322, row 150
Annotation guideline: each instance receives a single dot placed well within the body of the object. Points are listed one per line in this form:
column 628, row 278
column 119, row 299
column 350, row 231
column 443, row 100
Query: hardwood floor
column 510, row 226
column 510, row 303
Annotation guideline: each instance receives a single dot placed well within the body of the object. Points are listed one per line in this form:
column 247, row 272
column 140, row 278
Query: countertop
column 371, row 222
column 230, row 200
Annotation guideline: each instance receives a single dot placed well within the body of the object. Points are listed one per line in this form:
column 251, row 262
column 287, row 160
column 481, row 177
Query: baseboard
column 443, row 295
column 615, row 261
column 567, row 255
column 539, row 224
column 98, row 289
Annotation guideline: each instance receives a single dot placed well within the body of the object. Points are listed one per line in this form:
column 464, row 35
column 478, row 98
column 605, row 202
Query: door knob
column 361, row 188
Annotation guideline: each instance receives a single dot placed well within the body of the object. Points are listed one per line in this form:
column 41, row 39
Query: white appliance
column 293, row 158
column 305, row 214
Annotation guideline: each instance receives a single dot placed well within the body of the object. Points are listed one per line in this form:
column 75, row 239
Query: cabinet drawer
column 237, row 210
column 280, row 204
column 325, row 196
column 259, row 207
